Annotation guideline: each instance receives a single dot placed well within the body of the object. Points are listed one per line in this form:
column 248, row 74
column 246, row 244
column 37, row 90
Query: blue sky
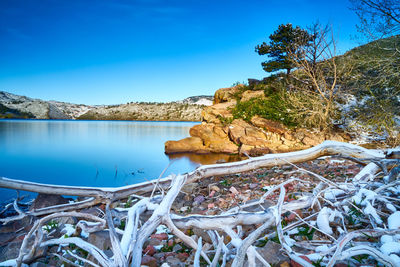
column 109, row 52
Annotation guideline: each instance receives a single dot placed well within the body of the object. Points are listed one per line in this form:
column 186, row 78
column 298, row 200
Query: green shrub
column 273, row 108
column 241, row 89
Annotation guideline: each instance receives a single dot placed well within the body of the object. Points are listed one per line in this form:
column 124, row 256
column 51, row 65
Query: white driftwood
column 128, row 249
column 93, row 250
column 362, row 249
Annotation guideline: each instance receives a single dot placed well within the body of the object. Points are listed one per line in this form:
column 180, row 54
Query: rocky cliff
column 219, row 132
column 16, row 106
column 145, row 112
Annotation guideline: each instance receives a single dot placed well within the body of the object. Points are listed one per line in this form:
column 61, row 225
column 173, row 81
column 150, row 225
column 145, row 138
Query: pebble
column 215, row 188
column 212, row 194
column 199, row 199
column 233, row 190
column 182, row 256
column 149, row 261
column 149, row 250
column 176, row 248
column 162, row 236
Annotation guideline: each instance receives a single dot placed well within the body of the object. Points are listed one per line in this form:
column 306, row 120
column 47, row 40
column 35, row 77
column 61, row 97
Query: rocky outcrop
column 218, row 112
column 226, row 94
column 192, row 144
column 269, row 125
column 221, row 133
column 249, row 94
column 215, row 138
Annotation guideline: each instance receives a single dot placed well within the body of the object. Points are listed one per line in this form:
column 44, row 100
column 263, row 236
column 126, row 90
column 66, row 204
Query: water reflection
column 93, row 153
column 88, row 153
column 205, row 159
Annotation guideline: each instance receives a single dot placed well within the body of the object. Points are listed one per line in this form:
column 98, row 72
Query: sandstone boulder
column 205, row 138
column 253, row 151
column 274, row 138
column 226, row 94
column 212, row 114
column 242, row 132
column 189, row 144
column 269, row 125
column 223, row 145
column 237, row 130
column 309, row 138
column 249, row 94
column 214, row 138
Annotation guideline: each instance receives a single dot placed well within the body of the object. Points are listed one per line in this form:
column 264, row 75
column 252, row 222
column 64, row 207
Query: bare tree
column 319, row 74
column 378, row 18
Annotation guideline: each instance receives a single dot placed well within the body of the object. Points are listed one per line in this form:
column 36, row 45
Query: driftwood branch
column 127, row 244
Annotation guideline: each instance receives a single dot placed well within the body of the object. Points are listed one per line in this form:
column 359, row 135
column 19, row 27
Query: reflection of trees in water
column 205, row 159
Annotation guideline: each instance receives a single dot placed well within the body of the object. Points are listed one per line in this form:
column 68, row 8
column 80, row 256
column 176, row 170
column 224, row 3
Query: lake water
column 90, row 153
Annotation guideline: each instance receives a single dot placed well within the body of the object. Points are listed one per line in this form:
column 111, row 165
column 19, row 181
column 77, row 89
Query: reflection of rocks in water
column 205, row 159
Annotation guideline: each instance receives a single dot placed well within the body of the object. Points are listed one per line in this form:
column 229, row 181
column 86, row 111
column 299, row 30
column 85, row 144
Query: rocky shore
column 219, row 132
column 207, row 197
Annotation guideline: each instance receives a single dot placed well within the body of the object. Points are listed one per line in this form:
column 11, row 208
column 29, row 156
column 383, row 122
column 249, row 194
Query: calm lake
column 91, row 153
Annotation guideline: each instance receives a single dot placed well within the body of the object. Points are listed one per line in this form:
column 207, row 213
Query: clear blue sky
column 108, row 52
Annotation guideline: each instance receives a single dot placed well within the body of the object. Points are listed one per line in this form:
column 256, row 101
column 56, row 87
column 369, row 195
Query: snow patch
column 333, row 193
column 395, row 258
column 162, row 229
column 390, row 247
column 390, row 207
column 323, row 220
column 364, row 196
column 84, row 234
column 68, row 229
column 386, row 239
column 394, row 220
column 369, row 210
column 322, row 248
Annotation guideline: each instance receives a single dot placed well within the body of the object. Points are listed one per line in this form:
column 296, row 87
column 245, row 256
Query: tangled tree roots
column 355, row 217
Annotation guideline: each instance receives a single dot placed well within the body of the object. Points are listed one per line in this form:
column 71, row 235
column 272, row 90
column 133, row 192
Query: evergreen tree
column 284, row 41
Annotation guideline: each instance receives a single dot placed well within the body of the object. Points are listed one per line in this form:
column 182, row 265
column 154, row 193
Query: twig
column 158, row 181
column 196, row 262
column 81, row 259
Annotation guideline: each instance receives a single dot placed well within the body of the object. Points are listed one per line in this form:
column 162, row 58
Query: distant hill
column 37, row 108
column 206, row 100
column 17, row 106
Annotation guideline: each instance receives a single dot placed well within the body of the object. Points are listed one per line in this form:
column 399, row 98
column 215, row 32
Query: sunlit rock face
column 221, row 133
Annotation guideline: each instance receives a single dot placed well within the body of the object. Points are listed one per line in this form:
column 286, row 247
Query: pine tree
column 283, row 42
